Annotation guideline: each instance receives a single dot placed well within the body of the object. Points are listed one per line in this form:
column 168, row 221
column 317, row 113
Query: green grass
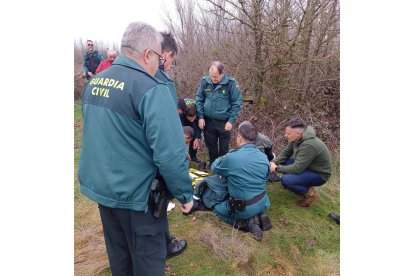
column 303, row 241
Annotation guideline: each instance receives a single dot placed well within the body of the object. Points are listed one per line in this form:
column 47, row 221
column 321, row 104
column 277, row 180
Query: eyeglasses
column 90, row 44
column 161, row 60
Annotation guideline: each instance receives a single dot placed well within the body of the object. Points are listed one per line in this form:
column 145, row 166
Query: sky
column 111, row 25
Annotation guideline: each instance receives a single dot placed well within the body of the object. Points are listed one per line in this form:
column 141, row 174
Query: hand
column 273, row 166
column 228, row 126
column 185, row 208
column 201, row 123
column 196, row 143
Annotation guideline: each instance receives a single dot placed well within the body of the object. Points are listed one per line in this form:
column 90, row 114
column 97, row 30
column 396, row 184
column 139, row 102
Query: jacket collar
column 128, row 62
column 249, row 145
column 223, row 81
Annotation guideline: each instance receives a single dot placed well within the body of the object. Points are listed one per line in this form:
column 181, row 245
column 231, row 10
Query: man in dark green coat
column 305, row 162
column 127, row 141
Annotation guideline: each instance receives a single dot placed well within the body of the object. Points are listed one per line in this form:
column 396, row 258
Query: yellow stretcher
column 196, row 176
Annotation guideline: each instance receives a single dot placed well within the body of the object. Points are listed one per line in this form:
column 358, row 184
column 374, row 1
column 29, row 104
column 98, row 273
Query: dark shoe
column 197, row 206
column 241, row 224
column 309, row 198
column 253, row 225
column 265, row 222
column 334, row 217
column 176, row 247
column 273, row 177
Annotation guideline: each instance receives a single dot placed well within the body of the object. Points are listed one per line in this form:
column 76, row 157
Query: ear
column 147, row 58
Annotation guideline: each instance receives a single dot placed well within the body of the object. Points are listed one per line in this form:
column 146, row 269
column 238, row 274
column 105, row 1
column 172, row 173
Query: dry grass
column 90, row 251
column 232, row 248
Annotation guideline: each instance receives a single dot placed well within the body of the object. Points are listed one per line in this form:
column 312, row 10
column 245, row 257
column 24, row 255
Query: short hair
column 218, row 65
column 181, row 104
column 88, row 41
column 111, row 52
column 138, row 37
column 191, row 110
column 247, row 131
column 189, row 131
column 168, row 43
column 296, row 123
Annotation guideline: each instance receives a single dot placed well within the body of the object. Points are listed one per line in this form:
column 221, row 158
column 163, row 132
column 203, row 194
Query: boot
column 253, row 225
column 241, row 225
column 274, row 177
column 176, row 247
column 265, row 222
column 309, row 198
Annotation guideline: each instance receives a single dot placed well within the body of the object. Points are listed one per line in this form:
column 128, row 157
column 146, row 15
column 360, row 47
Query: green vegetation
column 303, row 241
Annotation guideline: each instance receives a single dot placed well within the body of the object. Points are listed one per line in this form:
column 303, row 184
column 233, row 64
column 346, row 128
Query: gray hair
column 138, row 37
column 111, row 52
column 247, row 131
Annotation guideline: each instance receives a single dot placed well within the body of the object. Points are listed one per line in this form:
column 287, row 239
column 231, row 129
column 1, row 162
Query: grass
column 303, row 241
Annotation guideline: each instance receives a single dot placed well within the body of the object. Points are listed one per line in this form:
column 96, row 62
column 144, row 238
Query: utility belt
column 158, row 197
column 239, row 205
column 211, row 120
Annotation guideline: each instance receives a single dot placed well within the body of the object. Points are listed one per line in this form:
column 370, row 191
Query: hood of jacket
column 309, row 133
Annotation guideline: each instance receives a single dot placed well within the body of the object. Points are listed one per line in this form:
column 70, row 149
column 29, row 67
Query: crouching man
column 246, row 170
column 305, row 162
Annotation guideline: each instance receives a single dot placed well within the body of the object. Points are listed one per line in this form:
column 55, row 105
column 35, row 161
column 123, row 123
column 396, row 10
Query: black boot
column 274, row 177
column 176, row 247
column 253, row 225
column 241, row 224
column 265, row 222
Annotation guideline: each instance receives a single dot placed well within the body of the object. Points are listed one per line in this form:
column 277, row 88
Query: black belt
column 255, row 199
column 239, row 205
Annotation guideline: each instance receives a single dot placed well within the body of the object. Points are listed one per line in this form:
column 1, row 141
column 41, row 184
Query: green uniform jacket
column 165, row 78
column 309, row 152
column 131, row 130
column 247, row 170
column 222, row 103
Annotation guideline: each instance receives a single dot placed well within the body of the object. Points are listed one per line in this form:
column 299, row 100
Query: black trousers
column 135, row 241
column 216, row 138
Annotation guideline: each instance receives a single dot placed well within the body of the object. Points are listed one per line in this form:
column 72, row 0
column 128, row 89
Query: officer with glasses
column 126, row 144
